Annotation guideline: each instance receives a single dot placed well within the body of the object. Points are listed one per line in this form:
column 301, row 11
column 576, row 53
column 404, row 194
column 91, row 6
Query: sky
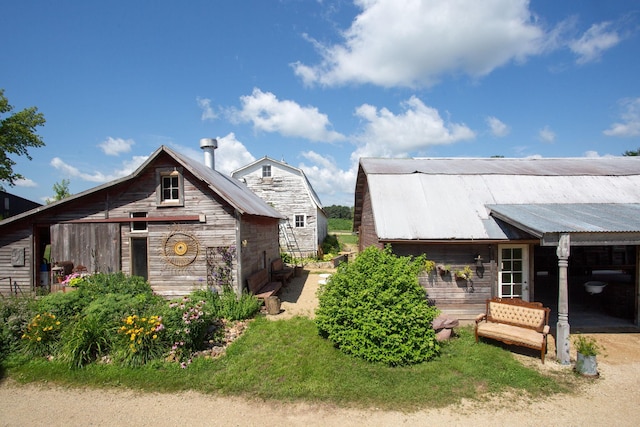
column 317, row 83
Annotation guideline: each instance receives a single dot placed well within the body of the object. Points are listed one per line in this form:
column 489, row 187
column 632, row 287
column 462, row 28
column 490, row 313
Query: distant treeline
column 339, row 212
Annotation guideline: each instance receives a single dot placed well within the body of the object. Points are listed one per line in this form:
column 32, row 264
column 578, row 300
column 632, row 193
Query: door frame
column 525, row 261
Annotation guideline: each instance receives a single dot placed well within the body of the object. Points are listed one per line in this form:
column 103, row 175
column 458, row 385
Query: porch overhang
column 588, row 224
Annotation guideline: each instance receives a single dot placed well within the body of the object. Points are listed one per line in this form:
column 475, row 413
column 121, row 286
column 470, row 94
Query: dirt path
column 613, row 399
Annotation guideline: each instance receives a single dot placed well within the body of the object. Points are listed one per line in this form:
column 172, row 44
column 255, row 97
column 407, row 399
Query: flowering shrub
column 42, row 334
column 74, row 280
column 141, row 340
column 187, row 322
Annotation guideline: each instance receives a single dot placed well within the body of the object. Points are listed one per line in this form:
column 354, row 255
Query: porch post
column 562, row 328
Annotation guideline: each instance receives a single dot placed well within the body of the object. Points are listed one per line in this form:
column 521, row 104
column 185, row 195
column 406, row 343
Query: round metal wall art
column 180, row 249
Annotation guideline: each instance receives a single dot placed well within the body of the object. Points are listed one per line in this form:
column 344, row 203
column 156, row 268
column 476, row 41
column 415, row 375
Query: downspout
column 562, row 327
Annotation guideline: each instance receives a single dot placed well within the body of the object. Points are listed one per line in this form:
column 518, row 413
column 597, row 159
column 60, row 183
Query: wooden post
column 562, row 327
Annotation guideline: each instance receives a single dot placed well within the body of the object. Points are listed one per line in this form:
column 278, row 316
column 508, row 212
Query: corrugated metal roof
column 410, row 201
column 502, row 166
column 571, row 218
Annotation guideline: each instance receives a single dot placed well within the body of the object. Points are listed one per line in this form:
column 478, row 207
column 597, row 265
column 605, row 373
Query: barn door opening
column 139, row 257
column 513, row 278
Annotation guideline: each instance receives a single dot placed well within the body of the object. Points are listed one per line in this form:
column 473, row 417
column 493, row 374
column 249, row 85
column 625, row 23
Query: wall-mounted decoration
column 17, row 257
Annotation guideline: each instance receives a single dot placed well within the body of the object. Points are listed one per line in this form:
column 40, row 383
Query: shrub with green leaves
column 140, row 340
column 42, row 335
column 375, row 309
column 15, row 315
column 330, row 244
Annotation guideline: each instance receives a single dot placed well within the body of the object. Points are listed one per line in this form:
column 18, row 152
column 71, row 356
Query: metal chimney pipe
column 208, row 145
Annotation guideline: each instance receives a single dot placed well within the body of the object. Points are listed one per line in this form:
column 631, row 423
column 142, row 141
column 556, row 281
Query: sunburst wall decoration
column 180, row 249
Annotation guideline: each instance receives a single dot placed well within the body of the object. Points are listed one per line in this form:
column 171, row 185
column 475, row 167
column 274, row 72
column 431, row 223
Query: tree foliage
column 632, row 152
column 60, row 191
column 17, row 135
column 335, row 211
column 374, row 308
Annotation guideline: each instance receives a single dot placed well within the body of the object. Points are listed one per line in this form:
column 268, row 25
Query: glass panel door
column 513, row 274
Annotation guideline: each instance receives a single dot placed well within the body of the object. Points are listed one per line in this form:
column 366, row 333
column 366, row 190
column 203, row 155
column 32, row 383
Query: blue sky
column 317, row 84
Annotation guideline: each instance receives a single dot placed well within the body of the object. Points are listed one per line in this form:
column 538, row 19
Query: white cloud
column 418, row 42
column 333, row 185
column 128, row 166
column 386, row 134
column 594, row 42
column 630, row 124
column 25, row 182
column 497, row 127
column 230, row 155
column 547, row 135
column 116, row 146
column 288, row 118
column 207, row 110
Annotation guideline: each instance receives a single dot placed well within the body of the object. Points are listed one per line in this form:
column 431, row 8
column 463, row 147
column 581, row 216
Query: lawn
column 286, row 360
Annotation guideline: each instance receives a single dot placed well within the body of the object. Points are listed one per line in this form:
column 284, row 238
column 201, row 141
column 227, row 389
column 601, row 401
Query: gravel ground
column 612, row 399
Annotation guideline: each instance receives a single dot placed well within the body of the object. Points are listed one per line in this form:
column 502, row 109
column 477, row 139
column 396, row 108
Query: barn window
column 138, row 225
column 299, row 221
column 266, row 171
column 170, row 187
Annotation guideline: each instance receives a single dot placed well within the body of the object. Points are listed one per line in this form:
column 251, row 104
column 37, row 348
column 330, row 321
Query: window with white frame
column 299, row 221
column 266, row 171
column 170, row 187
column 138, row 225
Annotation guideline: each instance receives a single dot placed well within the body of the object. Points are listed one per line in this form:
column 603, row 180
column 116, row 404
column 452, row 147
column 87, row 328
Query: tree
column 632, row 152
column 17, row 134
column 343, row 212
column 61, row 190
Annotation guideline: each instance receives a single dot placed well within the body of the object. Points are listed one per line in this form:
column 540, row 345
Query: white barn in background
column 288, row 190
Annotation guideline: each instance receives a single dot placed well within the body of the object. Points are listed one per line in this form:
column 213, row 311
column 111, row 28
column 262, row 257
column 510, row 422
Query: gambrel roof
column 450, row 199
column 283, row 165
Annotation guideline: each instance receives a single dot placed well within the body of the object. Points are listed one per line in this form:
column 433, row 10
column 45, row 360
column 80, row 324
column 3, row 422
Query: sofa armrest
column 546, row 329
column 480, row 317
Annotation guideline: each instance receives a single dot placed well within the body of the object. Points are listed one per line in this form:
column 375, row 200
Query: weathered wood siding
column 95, row 246
column 17, row 240
column 367, row 231
column 445, row 289
column 258, row 246
column 287, row 193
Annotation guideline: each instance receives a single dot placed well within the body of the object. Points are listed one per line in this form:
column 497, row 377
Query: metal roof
column 443, row 199
column 571, row 218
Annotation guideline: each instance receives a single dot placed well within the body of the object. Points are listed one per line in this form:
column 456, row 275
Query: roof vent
column 209, row 145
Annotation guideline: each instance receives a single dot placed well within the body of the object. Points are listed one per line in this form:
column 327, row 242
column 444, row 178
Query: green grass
column 286, row 360
column 340, row 224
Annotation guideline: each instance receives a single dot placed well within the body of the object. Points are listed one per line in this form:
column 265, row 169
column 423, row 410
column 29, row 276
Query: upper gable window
column 266, row 171
column 170, row 187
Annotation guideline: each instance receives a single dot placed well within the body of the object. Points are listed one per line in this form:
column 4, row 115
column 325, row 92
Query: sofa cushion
column 515, row 334
column 525, row 316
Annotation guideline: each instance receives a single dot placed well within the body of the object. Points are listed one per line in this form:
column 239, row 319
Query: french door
column 513, row 275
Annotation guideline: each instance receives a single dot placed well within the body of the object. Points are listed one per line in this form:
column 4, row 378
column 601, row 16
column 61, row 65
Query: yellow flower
column 57, row 322
column 39, row 339
column 155, row 336
column 133, row 337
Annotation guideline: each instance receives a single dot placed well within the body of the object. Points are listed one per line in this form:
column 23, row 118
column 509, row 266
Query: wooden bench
column 515, row 322
column 280, row 272
column 260, row 286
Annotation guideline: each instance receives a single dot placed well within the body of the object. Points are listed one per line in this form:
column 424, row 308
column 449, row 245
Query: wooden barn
column 288, row 190
column 11, row 205
column 536, row 229
column 176, row 222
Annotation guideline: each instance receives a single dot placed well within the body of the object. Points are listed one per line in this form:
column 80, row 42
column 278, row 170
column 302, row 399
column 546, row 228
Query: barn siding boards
column 256, row 250
column 90, row 228
column 290, row 193
column 22, row 275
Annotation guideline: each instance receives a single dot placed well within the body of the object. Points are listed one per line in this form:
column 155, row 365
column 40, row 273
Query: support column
column 562, row 328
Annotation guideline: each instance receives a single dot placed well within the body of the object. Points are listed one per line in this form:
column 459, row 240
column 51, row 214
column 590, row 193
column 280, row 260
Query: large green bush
column 375, row 309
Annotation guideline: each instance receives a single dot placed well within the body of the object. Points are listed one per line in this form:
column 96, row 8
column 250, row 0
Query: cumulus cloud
column 25, row 182
column 629, row 126
column 547, row 135
column 269, row 114
column 497, row 127
column 128, row 166
column 590, row 46
column 207, row 110
column 419, row 126
column 414, row 45
column 333, row 185
column 116, row 146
